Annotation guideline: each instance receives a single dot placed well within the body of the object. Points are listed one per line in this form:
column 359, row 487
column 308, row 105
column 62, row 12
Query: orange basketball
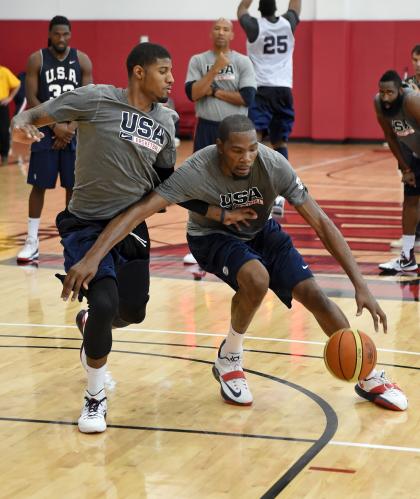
column 350, row 354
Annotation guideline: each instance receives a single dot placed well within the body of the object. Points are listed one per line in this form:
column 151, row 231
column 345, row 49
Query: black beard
column 394, row 108
column 163, row 100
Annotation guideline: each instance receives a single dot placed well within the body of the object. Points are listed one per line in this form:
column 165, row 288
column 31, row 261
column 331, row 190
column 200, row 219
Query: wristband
column 222, row 216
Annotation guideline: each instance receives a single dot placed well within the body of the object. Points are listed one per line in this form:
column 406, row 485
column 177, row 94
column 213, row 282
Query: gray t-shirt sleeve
column 184, row 184
column 194, row 72
column 250, row 26
column 293, row 19
column 247, row 74
column 287, row 183
column 80, row 104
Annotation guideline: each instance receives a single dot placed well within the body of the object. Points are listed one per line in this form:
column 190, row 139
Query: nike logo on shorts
column 305, row 267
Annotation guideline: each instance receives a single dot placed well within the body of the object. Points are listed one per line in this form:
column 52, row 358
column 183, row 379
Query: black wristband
column 222, row 216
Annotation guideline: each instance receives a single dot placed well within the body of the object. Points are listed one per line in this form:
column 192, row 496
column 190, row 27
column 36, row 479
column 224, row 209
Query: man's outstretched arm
column 118, row 228
column 337, row 246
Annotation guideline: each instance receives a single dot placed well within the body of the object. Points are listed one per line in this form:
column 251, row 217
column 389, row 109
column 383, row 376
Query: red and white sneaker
column 228, row 371
column 379, row 390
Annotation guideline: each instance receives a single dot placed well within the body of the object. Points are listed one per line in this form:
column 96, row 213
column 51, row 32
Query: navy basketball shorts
column 78, row 236
column 223, row 255
column 206, row 133
column 415, row 166
column 272, row 112
column 45, row 166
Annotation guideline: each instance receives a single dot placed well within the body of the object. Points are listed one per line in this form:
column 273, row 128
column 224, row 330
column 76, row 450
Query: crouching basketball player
column 239, row 172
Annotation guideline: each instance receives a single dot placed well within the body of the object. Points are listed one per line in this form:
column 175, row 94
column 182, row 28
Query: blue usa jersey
column 55, row 78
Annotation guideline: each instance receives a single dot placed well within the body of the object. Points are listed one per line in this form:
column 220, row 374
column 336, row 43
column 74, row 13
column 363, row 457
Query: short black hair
column 145, row 54
column 267, row 7
column 416, row 50
column 59, row 20
column 391, row 75
column 234, row 123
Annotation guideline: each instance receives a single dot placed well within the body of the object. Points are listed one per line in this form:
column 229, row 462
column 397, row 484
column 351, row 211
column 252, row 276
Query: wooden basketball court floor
column 169, row 433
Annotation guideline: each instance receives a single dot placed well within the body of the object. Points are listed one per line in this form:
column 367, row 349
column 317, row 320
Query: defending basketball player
column 126, row 147
column 235, row 173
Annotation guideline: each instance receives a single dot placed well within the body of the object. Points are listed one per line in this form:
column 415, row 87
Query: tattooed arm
column 25, row 125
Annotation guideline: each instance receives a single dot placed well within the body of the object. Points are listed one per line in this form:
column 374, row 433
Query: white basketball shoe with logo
column 228, row 371
column 379, row 390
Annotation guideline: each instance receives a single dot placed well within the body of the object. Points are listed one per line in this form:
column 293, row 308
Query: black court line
column 169, row 430
column 330, row 415
column 182, row 345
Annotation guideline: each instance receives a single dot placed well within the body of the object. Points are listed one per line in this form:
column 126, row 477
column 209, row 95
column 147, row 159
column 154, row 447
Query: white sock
column 33, row 227
column 83, row 359
column 234, row 341
column 408, row 244
column 96, row 379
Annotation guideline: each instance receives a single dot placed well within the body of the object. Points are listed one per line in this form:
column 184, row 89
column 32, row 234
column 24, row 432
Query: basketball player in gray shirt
column 125, row 148
column 221, row 82
column 239, row 172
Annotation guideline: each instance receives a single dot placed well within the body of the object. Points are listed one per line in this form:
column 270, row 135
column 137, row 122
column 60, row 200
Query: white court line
column 375, row 446
column 189, row 333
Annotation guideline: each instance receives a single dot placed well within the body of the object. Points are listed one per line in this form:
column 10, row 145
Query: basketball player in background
column 270, row 45
column 412, row 82
column 51, row 72
column 240, row 172
column 220, row 82
column 125, row 149
column 398, row 113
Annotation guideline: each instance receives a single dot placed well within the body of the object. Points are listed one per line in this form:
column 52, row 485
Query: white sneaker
column 189, row 259
column 30, row 250
column 383, row 392
column 228, row 371
column 401, row 264
column 397, row 243
column 278, row 207
column 93, row 416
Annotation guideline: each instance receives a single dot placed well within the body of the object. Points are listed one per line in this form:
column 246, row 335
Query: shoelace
column 92, row 407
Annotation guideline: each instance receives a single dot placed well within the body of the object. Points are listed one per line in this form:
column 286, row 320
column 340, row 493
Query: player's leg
column 42, row 175
column 406, row 262
column 236, row 264
column 283, row 118
column 4, row 134
column 95, row 324
column 133, row 277
column 260, row 112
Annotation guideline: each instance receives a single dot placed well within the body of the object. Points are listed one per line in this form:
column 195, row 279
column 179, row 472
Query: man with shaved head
column 221, row 82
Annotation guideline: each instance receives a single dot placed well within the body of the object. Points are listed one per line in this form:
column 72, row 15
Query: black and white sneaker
column 93, row 416
column 401, row 264
column 228, row 371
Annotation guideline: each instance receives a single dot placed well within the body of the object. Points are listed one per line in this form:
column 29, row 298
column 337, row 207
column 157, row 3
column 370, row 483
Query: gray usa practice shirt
column 200, row 177
column 238, row 74
column 117, row 147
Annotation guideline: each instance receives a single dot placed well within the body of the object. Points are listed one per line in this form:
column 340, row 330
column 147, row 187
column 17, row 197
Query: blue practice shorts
column 205, row 134
column 415, row 166
column 224, row 255
column 78, row 236
column 44, row 167
column 272, row 112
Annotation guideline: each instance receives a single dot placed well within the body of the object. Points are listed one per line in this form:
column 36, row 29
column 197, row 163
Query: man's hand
column 239, row 216
column 26, row 134
column 63, row 135
column 79, row 276
column 364, row 299
column 5, row 102
column 409, row 178
column 222, row 60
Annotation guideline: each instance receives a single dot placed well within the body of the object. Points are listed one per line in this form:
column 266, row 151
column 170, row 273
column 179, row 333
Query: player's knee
column 254, row 282
column 133, row 313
